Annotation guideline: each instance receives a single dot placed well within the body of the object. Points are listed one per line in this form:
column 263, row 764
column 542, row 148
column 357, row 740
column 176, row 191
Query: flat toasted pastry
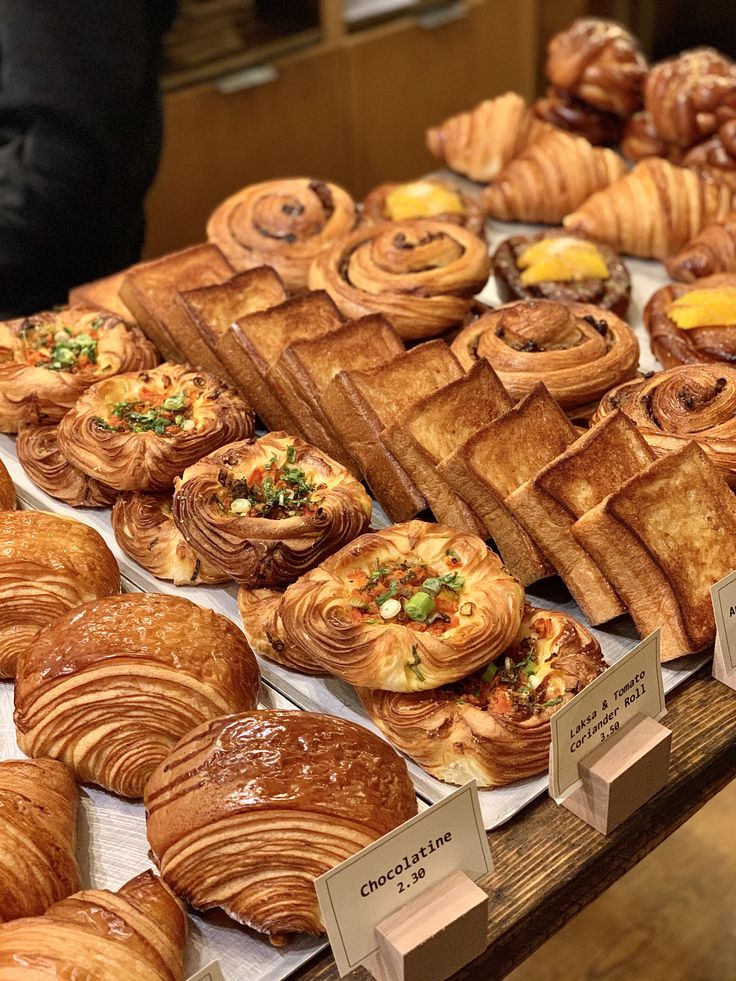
column 549, row 503
column 102, row 293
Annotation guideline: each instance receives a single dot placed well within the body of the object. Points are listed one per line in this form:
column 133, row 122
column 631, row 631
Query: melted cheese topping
column 704, row 308
column 422, row 199
column 562, row 259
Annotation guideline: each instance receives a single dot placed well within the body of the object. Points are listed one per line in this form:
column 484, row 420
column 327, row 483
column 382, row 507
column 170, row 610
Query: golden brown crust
column 260, row 610
column 110, row 687
column 640, row 140
column 7, row 490
column 574, row 116
column 40, row 456
column 672, row 345
column 468, row 212
column 711, row 251
column 249, row 809
column 101, row 294
column 712, row 161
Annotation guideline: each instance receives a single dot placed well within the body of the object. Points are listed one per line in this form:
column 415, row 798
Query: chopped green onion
column 432, row 585
column 241, row 506
column 490, row 673
column 419, row 607
column 291, row 454
column 552, row 701
column 390, row 609
column 416, row 660
column 390, row 592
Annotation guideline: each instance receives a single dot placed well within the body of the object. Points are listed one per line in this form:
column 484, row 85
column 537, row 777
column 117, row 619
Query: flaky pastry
column 693, row 323
column 711, row 251
column 7, row 490
column 431, row 197
column 577, row 117
column 39, row 455
column 260, row 611
column 640, row 139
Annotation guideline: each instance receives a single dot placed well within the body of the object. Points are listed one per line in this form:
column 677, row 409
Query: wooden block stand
column 722, row 671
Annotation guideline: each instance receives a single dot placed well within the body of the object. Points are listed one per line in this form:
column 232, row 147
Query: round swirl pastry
column 48, row 565
column 566, row 112
column 555, row 265
column 285, row 224
column 673, row 407
column 493, row 726
column 432, row 197
column 7, row 490
column 269, row 509
column 260, row 610
column 146, row 531
column 640, row 139
column 110, row 687
column 40, row 456
column 411, row 607
column 47, row 361
column 690, row 323
column 578, row 350
column 421, row 274
column 139, row 431
column 248, row 810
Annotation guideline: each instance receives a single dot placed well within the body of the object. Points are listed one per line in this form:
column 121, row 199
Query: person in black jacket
column 80, row 139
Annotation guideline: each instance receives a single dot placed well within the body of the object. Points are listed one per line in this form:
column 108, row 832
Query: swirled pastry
column 579, row 351
column 575, row 116
column 38, row 832
column 282, row 223
column 48, row 565
column 249, row 809
column 47, row 361
column 693, row 323
column 139, row 431
column 39, row 455
column 411, row 607
column 711, row 251
column 431, row 197
column 640, row 139
column 110, row 687
column 269, row 509
column 422, row 274
column 260, row 610
column 146, row 531
column 138, row 932
column 493, row 726
column 7, row 490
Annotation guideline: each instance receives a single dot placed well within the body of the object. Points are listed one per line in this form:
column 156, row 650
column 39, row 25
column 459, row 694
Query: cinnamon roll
column 260, row 610
column 40, row 456
column 431, row 197
column 694, row 322
column 7, row 490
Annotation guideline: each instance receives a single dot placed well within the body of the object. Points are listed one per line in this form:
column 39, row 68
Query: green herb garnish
column 490, row 673
column 392, row 590
column 291, row 454
column 413, row 665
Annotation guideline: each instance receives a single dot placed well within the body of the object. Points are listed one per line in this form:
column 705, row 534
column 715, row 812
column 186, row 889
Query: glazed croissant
column 137, row 933
column 38, row 832
column 690, row 323
column 249, row 809
column 40, row 456
column 260, row 610
column 7, row 490
column 110, row 687
column 711, row 251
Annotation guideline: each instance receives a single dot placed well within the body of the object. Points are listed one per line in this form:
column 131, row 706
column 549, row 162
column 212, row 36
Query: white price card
column 632, row 685
column 212, row 972
column 723, row 595
column 357, row 895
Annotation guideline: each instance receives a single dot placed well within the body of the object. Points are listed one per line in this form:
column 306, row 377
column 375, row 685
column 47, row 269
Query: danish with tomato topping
column 139, row 431
column 408, row 608
column 493, row 726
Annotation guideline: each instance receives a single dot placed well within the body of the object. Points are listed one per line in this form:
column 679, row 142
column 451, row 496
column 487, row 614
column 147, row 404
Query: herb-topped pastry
column 269, row 509
column 411, row 607
column 47, row 361
column 139, row 431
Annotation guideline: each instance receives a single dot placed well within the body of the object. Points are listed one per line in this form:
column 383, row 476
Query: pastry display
column 640, row 139
column 555, row 265
column 7, row 490
column 422, row 274
column 282, row 223
column 407, row 608
column 49, row 360
column 432, row 197
column 711, row 251
column 564, row 111
column 248, row 810
column 139, row 431
column 693, row 323
column 260, row 610
column 38, row 832
column 39, row 455
column 493, row 726
column 110, row 687
column 48, row 565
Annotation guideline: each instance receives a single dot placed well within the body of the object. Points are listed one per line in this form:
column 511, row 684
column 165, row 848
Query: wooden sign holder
column 722, row 670
column 622, row 773
column 434, row 935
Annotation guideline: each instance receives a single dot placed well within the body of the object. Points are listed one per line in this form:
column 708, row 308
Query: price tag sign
column 631, row 685
column 357, row 895
column 213, row 972
column 723, row 595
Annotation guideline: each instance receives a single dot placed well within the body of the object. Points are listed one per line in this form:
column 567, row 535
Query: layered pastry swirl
column 47, row 361
column 432, row 197
column 407, row 608
column 7, row 490
column 260, row 611
column 711, row 251
column 493, row 726
column 694, row 323
column 269, row 509
column 139, row 431
column 422, row 274
column 40, row 456
column 111, row 686
column 249, row 809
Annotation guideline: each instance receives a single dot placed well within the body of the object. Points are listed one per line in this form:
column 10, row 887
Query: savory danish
column 422, row 274
column 48, row 565
column 269, row 509
column 139, row 431
column 432, row 197
column 249, row 809
column 47, row 361
column 411, row 607
column 7, row 490
column 493, row 726
column 711, row 251
column 285, row 224
column 40, row 456
column 693, row 323
column 38, row 832
column 111, row 686
column 260, row 610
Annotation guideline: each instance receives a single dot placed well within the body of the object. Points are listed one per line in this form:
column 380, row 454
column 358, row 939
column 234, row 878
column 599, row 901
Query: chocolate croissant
column 39, row 455
column 260, row 611
column 690, row 323
column 7, row 490
column 111, row 686
column 711, row 251
column 249, row 809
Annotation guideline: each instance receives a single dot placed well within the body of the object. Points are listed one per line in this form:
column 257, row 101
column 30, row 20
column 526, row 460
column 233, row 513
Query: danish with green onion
column 260, row 611
column 408, row 608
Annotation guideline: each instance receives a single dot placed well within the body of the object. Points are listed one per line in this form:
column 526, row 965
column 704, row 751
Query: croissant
column 249, row 809
column 711, row 161
column 269, row 509
column 493, row 726
column 692, row 323
column 260, row 610
column 564, row 111
column 550, row 178
column 49, row 360
column 711, row 251
column 640, row 139
column 48, row 565
column 431, row 197
column 39, row 455
column 38, row 802
column 411, row 607
column 651, row 211
column 139, row 431
column 421, row 274
column 110, row 687
column 7, row 490
column 137, row 933
column 285, row 224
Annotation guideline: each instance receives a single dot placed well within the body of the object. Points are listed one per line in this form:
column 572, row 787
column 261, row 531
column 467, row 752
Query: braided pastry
column 711, row 251
column 7, row 490
column 694, row 322
column 260, row 611
column 640, row 139
column 566, row 112
column 431, row 197
column 40, row 456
